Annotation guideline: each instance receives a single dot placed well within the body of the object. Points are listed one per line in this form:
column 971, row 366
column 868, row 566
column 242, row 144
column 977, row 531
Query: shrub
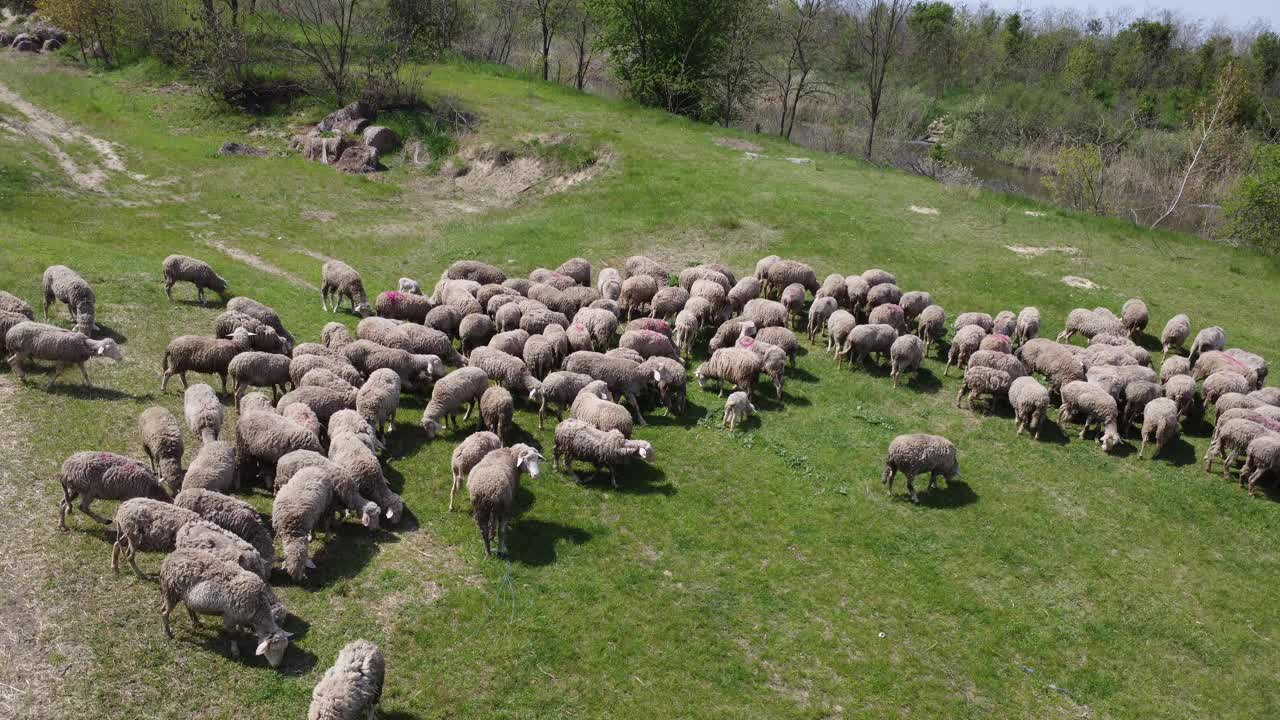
column 1253, row 208
column 1078, row 179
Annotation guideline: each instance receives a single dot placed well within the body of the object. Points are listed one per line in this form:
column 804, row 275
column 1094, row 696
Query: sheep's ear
column 100, row 349
column 389, row 514
column 364, row 520
column 656, row 376
column 250, row 334
column 532, row 393
column 310, row 565
column 520, row 461
column 286, row 634
column 262, row 648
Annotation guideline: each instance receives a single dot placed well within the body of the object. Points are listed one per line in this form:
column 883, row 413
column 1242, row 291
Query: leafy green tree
column 1265, row 52
column 932, row 26
column 1084, row 66
column 1014, row 37
column 1253, row 209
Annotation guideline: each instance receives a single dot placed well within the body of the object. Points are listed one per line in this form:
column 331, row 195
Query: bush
column 1253, row 209
column 1078, row 180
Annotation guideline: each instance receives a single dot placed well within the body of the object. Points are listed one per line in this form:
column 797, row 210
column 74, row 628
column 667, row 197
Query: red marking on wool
column 746, row 341
column 1269, row 423
column 393, row 297
column 1236, row 362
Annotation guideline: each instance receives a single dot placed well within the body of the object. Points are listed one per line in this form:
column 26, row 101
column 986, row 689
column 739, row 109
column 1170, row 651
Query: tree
column 550, row 14
column 1084, row 66
column 738, row 73
column 1253, row 209
column 94, row 23
column 801, row 23
column 582, row 37
column 932, row 26
column 1265, row 52
column 1014, row 39
column 320, row 32
column 877, row 40
column 507, row 18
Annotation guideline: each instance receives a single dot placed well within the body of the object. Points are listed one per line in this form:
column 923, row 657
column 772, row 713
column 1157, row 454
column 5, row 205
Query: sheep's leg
column 960, row 394
column 1142, row 449
column 84, row 508
column 457, row 483
column 911, row 489
column 502, row 537
column 542, row 413
column 1085, row 428
column 115, row 554
column 1226, row 464
column 933, row 480
column 58, row 367
column 85, row 375
column 64, row 509
column 183, row 377
column 130, row 554
column 164, row 616
column 1254, row 478
column 221, row 376
column 324, row 298
column 15, row 362
column 470, row 406
column 890, row 472
column 635, row 405
column 1208, row 456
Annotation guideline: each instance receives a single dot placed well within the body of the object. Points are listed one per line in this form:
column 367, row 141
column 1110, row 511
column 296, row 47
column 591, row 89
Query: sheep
column 650, row 325
column 1261, row 455
column 258, row 369
column 690, row 275
column 536, row 320
column 648, row 344
column 335, row 336
column 197, row 353
column 729, row 331
column 601, row 325
column 637, row 292
column 577, row 268
column 890, row 314
column 1210, row 338
column 180, row 268
column 353, row 475
column 458, row 292
column 1233, row 438
column 507, row 317
column 748, row 288
column 263, row 438
column 263, row 314
column 785, row 272
column 508, row 371
column 1073, row 390
column 300, row 509
column 1100, row 408
column 1217, row 361
column 670, row 379
column 1137, row 395
column 1181, row 389
column 819, row 312
column 905, row 355
column 378, row 399
column 411, row 338
column 62, row 284
column 968, row 340
column 213, row 468
column 577, row 440
column 462, row 387
column 7, row 322
column 11, row 303
column 302, row 365
column 980, row 380
column 556, row 336
column 322, row 400
column 781, row 338
column 739, row 367
column 353, row 423
column 1159, row 425
column 1105, row 355
column 882, row 294
column 1055, row 362
column 162, row 442
column 668, row 301
column 557, row 280
column 996, row 343
column 1267, row 395
column 737, row 409
column 763, row 265
column 29, row 340
column 593, row 406
column 980, row 319
column 931, row 324
column 914, row 302
column 104, row 476
column 765, row 313
column 793, row 297
column 856, row 290
column 475, row 330
column 339, row 280
column 400, row 305
column 773, row 360
column 352, row 688
column 915, row 454
column 866, row 340
column 519, row 286
column 226, row 546
column 1134, row 315
column 839, row 325
column 723, row 270
column 1176, row 365
column 263, row 336
column 1027, row 326
column 292, row 463
column 208, row 586
column 1221, row 383
column 492, row 486
column 409, row 286
column 624, row 377
column 304, row 416
column 444, row 318
column 582, row 296
column 496, row 410
column 467, row 454
column 713, row 299
column 626, row 354
column 641, row 265
column 1030, row 401
column 326, row 378
column 1251, row 360
column 539, row 356
column 1005, row 323
column 609, row 283
column 231, row 514
column 551, row 299
column 147, row 525
column 1090, row 323
column 833, row 286
column 493, row 297
column 702, row 309
column 475, row 271
column 415, row 371
column 1175, row 334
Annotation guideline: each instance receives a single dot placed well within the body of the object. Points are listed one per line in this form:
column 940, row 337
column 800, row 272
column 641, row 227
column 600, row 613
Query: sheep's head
column 1110, row 437
column 363, row 309
column 109, row 349
column 394, row 510
column 642, row 449
column 431, row 427
column 701, row 375
column 527, row 458
column 369, row 515
column 219, row 285
column 241, row 337
column 273, row 646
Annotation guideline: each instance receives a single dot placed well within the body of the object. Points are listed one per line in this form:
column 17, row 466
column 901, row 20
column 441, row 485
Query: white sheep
column 465, row 456
column 1159, row 425
column 1210, row 338
column 197, row 353
column 63, row 284
column 300, row 509
column 104, row 476
column 352, row 688
column 1261, row 456
column 180, row 268
column 461, row 388
column 339, row 280
column 496, row 410
column 740, row 367
column 915, row 454
column 162, row 442
column 983, row 381
column 378, row 400
column 737, row 408
column 967, row 341
column 214, row 468
column 1175, row 333
column 1135, row 316
column 36, row 341
column 492, row 485
column 146, row 525
column 1030, row 401
column 231, row 514
column 578, row 440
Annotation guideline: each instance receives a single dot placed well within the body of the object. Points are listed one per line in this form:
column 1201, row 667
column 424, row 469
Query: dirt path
column 55, row 134
column 258, row 263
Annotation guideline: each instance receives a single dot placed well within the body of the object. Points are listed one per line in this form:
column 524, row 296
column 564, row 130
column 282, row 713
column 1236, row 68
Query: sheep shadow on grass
column 107, row 332
column 533, row 542
column 923, row 380
column 1178, row 453
column 343, row 553
column 1053, row 433
column 947, row 496
column 398, row 715
column 209, row 637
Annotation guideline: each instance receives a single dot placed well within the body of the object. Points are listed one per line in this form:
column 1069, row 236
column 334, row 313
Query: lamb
column 352, row 688
column 785, row 272
column 263, row 314
column 492, row 485
column 462, row 387
column 1221, row 383
column 890, row 314
column 36, row 341
column 793, row 297
column 1262, row 455
column 400, row 305
column 577, row 440
column 323, row 401
column 104, row 476
column 670, row 378
column 641, row 265
column 300, row 509
column 609, row 283
column 303, row 365
column 637, row 292
column 624, row 377
column 931, row 324
column 227, row 547
column 1176, row 365
column 765, row 313
column 1134, row 315
column 1030, row 401
column 1233, row 439
column 1175, row 333
column 915, row 454
column 748, row 288
column 11, row 303
column 819, row 312
column 263, row 438
column 409, row 286
column 967, row 341
column 865, row 340
column 1089, row 323
column 739, row 367
column 1210, row 338
column 415, row 371
column 230, row 514
column 196, row 353
column 162, row 442
column 497, row 409
column 839, row 325
column 1137, row 395
column 147, row 525
column 475, row 271
column 1251, row 360
column 1027, row 326
column 833, row 286
column 180, row 268
column 258, row 369
column 980, row 319
column 378, row 400
column 980, row 380
column 475, row 330
column 339, row 280
column 468, row 453
column 1159, row 425
column 411, row 338
column 62, row 284
column 781, row 338
column 649, row 344
column 1181, row 389
column 1100, row 408
column 594, row 407
column 905, row 355
column 737, row 409
column 208, row 586
column 214, row 468
column 508, row 371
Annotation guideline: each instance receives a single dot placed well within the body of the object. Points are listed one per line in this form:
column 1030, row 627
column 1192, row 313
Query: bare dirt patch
column 1081, row 283
column 738, row 144
column 319, row 215
column 1034, row 251
column 318, row 256
column 924, row 210
column 256, row 262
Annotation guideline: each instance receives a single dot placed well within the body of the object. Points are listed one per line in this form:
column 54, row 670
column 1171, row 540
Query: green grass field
column 760, row 574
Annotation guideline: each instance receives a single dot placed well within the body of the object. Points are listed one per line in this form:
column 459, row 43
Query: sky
column 1235, row 14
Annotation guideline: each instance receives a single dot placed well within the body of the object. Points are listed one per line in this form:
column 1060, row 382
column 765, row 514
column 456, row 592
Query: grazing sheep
column 729, row 331
column 1027, row 326
column 263, row 336
column 460, row 388
column 866, row 340
column 559, row 390
column 557, row 280
column 996, row 342
column 882, row 294
column 351, row 422
column 609, row 283
column 967, row 341
column 737, row 409
column 323, row 401
column 356, row 478
column 765, row 313
column 378, row 400
column 352, row 688
column 1176, row 365
column 335, row 336
column 508, row 371
column 1105, row 355
column 773, row 360
column 411, row 338
column 29, row 340
column 227, row 547
column 856, row 289
column 326, row 378
column 748, row 288
column 230, row 514
column 980, row 319
column 214, row 468
column 492, row 485
column 833, row 286
column 1073, row 390
column 62, row 284
column 637, row 292
column 475, row 330
column 792, row 298
column 1090, row 323
column 601, row 325
column 497, row 409
column 648, row 344
column 146, row 525
column 839, row 325
column 1175, row 333
column 1030, row 401
column 1100, row 408
column 180, row 268
column 1134, row 315
column 493, row 297
column 819, row 312
column 475, row 271
column 763, row 265
column 641, row 265
column 1159, row 425
column 262, row 438
column 8, row 320
column 1005, row 323
column 104, row 476
column 624, row 377
column 292, row 463
column 1221, row 383
column 785, row 272
column 300, row 509
column 577, row 440
column 739, row 367
column 782, row 338
column 913, row 303
column 980, row 380
column 539, row 356
column 876, row 276
column 1215, row 361
column 162, row 442
column 302, row 366
column 1210, row 338
column 661, row 327
column 339, row 280
column 626, row 354
column 263, row 314
column 197, row 353
column 258, row 369
column 931, row 324
column 468, row 453
column 1137, row 395
column 11, row 303
column 400, row 305
column 415, row 371
column 1262, row 455
column 577, row 268
column 1267, row 395
column 551, row 299
column 1233, row 438
column 1251, row 360
column 670, row 379
column 915, row 454
column 905, row 355
column 668, row 301
column 519, row 286
column 409, row 286
column 208, row 586
column 1181, row 389
column 1055, row 362
column 691, row 275
column 888, row 314
column 594, row 407
column 444, row 318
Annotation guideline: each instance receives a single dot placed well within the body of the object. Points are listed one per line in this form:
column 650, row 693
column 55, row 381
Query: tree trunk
column 871, row 133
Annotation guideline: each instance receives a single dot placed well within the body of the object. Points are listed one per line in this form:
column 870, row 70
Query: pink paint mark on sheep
column 1235, row 361
column 746, row 341
column 393, row 297
column 1269, row 423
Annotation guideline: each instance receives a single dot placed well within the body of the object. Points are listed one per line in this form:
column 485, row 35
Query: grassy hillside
column 760, row 574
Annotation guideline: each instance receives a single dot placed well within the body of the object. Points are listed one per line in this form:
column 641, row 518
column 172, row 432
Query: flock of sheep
column 560, row 342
